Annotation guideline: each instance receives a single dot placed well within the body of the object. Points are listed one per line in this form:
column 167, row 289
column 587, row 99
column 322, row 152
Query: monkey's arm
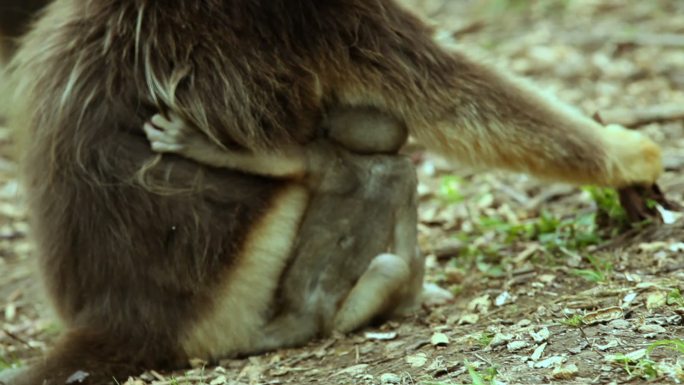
column 360, row 130
column 175, row 136
column 472, row 112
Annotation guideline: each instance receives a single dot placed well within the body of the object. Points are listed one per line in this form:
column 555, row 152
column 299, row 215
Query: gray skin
column 356, row 257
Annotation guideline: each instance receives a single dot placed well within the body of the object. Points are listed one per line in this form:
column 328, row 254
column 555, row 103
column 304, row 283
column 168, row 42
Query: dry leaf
column 549, row 362
column 380, row 336
column 439, row 339
column 517, row 345
column 536, row 355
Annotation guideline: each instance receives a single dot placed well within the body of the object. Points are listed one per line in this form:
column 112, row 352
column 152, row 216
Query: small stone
column 629, row 298
column 565, row 372
column 77, row 377
column 656, row 300
column 612, row 343
column 651, row 331
column 353, row 370
column 523, row 323
column 540, row 336
column 378, row 336
column 619, row 324
column 133, row 381
column 575, row 350
column 439, row 339
column 536, row 355
column 500, row 339
column 468, row 319
column 517, row 345
column 450, row 248
column 549, row 362
column 631, row 357
column 197, row 363
column 389, row 378
column 480, row 304
column 502, row 299
column 220, row 380
column 417, row 360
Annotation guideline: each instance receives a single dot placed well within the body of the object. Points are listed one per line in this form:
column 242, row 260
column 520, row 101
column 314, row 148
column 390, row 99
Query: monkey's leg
column 379, row 216
column 472, row 112
column 391, row 278
column 175, row 136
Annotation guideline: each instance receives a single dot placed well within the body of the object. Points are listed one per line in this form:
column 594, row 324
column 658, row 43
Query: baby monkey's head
column 365, row 130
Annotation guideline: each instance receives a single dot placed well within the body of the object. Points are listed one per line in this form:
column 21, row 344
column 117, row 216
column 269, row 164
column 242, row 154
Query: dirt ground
column 543, row 295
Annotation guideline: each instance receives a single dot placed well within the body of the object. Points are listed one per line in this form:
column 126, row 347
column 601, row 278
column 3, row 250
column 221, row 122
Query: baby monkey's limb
column 173, row 135
column 392, row 282
column 362, row 130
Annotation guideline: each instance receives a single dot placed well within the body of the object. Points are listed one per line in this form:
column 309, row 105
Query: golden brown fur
column 139, row 250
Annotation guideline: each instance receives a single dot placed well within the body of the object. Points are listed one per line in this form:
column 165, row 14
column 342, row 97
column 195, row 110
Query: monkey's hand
column 175, row 136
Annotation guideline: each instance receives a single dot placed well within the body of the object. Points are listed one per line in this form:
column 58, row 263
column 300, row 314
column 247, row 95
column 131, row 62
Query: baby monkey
column 355, row 258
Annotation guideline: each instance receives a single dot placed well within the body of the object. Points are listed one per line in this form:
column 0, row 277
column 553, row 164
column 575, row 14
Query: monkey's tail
column 82, row 357
column 489, row 118
column 459, row 105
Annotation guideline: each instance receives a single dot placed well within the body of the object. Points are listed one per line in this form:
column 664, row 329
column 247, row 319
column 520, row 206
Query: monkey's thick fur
column 150, row 260
column 14, row 19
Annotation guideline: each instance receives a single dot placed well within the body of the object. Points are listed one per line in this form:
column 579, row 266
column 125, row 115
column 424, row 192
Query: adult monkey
column 137, row 254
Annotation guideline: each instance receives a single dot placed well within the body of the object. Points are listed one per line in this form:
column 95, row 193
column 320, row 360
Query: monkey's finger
column 173, row 123
column 153, row 133
column 166, row 147
column 160, row 121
